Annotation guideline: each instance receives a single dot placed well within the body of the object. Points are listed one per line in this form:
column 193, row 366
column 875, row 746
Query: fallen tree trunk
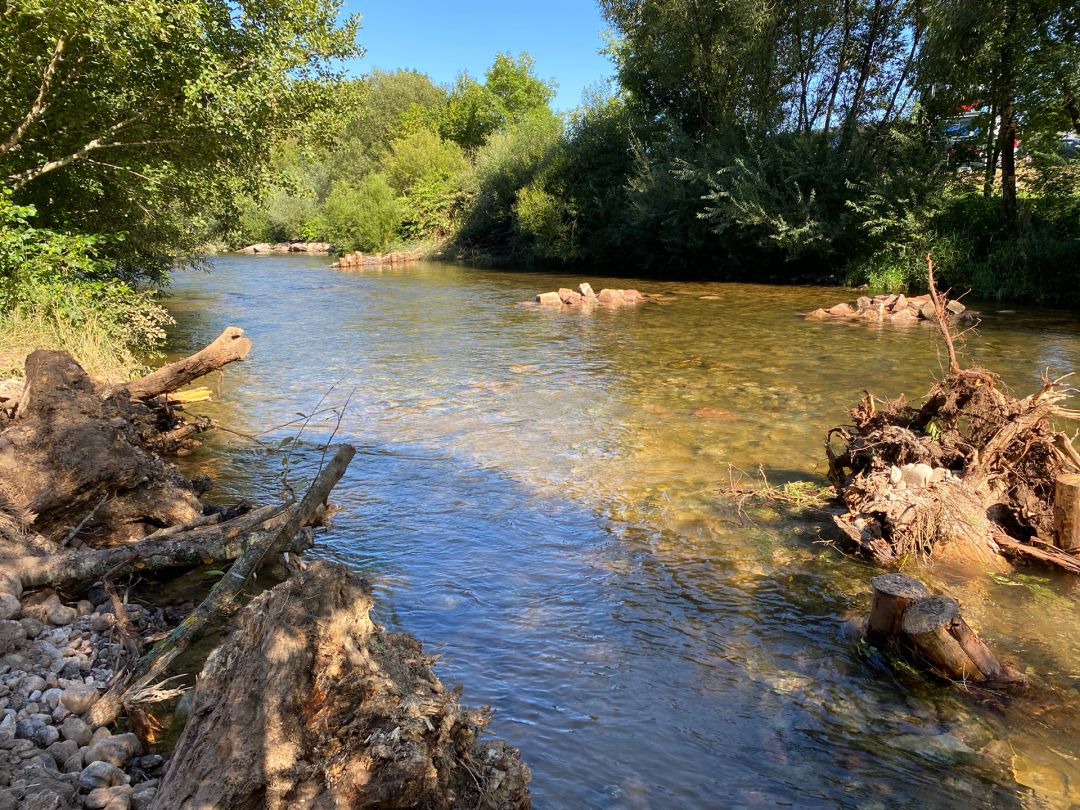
column 190, row 548
column 152, row 665
column 230, row 346
column 312, row 705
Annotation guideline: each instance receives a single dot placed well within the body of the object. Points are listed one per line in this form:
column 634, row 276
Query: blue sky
column 443, row 38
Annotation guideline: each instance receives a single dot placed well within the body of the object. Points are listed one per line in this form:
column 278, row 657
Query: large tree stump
column 927, row 623
column 71, row 451
column 892, row 595
column 309, row 704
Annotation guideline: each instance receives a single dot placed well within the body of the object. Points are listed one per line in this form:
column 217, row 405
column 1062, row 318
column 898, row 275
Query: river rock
column 142, row 797
column 112, row 798
column 40, row 603
column 101, row 774
column 32, row 626
column 943, row 748
column 841, row 310
column 569, row 297
column 586, row 290
column 12, row 633
column 78, row 698
column 261, row 247
column 916, row 475
column 61, row 615
column 10, row 584
column 118, row 750
column 9, row 606
column 76, row 730
column 549, row 299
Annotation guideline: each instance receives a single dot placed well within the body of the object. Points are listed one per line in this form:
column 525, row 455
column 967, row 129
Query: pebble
column 101, row 774
column 12, row 633
column 78, row 699
column 9, row 606
column 61, row 615
column 77, row 731
column 118, row 750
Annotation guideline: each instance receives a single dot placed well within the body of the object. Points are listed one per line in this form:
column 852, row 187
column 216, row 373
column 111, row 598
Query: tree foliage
column 138, row 117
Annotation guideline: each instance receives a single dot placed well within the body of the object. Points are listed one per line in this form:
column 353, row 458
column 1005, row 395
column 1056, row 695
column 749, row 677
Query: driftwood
column 970, row 473
column 906, row 618
column 221, row 597
column 188, row 547
column 309, row 704
column 230, row 346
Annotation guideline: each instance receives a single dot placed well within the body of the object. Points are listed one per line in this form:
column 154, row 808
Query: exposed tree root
column 970, row 472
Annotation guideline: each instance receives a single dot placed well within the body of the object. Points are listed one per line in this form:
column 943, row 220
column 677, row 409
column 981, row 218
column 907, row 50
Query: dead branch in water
column 222, row 595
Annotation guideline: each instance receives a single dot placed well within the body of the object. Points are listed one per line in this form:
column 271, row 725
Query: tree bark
column 1008, row 117
column 230, row 346
column 893, row 593
column 927, row 623
column 221, row 596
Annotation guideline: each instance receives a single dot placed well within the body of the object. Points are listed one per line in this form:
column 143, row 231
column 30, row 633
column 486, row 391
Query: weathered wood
column 152, row 665
column 892, row 595
column 230, row 346
column 978, row 652
column 1067, row 512
column 309, row 704
column 927, row 623
column 191, row 547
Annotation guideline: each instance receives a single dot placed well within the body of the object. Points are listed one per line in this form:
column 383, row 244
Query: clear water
column 540, row 496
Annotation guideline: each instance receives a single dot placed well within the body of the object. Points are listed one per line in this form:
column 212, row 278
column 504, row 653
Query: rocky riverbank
column 309, row 702
column 57, row 659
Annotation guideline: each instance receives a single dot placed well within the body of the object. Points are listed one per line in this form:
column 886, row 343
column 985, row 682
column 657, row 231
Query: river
column 541, row 497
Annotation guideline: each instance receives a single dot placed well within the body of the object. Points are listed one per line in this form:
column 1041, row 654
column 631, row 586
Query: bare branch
column 37, row 109
column 19, row 180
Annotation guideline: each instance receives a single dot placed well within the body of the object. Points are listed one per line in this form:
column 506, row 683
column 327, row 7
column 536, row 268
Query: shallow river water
column 542, row 498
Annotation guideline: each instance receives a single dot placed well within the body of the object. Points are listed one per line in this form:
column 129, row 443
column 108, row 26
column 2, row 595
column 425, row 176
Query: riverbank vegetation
column 124, row 129
column 812, row 140
column 833, row 140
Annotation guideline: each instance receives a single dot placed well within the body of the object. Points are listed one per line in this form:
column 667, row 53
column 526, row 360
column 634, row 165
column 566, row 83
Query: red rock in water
column 569, row 297
column 586, row 290
column 632, row 295
column 818, row 314
column 609, row 297
column 549, row 299
column 841, row 310
column 716, row 413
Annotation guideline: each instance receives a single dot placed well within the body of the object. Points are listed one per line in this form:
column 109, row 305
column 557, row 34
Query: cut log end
column 930, row 614
column 893, row 593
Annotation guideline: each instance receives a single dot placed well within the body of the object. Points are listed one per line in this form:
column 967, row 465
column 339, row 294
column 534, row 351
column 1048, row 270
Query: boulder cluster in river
column 894, row 308
column 584, row 296
column 358, row 260
column 306, row 703
column 288, row 247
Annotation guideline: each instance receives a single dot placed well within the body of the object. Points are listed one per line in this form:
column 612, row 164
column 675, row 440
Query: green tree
column 138, row 117
column 364, row 217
